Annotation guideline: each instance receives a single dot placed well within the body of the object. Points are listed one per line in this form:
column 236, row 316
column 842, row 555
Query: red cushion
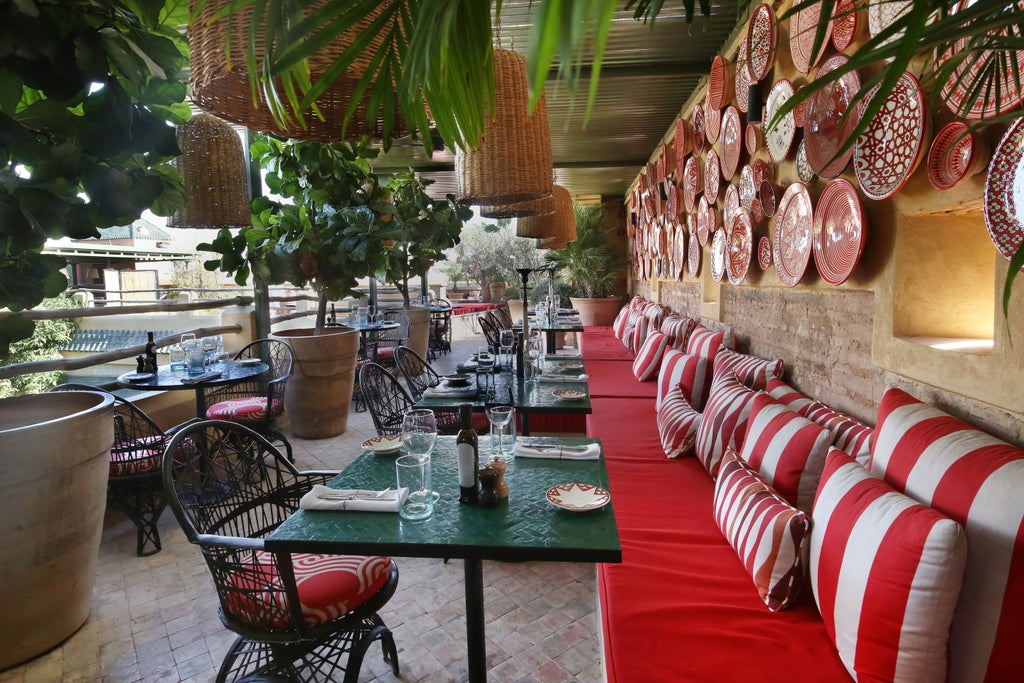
column 615, row 379
column 627, row 428
column 245, row 409
column 788, row 396
column 603, row 347
column 648, row 359
column 850, row 436
column 724, row 422
column 621, row 320
column 677, row 424
column 751, row 370
column 678, row 330
column 688, row 372
column 329, row 587
column 143, row 455
column 705, row 342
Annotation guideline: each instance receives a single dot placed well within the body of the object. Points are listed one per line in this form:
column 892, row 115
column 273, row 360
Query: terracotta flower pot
column 599, row 312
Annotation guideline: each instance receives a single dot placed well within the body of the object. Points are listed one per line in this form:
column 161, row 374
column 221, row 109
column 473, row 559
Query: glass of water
column 419, row 432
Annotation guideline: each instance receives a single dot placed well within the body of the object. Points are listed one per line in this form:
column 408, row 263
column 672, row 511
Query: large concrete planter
column 597, row 311
column 55, row 457
column 319, row 392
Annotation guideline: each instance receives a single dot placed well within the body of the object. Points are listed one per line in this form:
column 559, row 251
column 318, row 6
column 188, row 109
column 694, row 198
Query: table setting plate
column 248, row 361
column 794, row 234
column 732, row 141
column 840, row 231
column 568, row 394
column 578, row 497
column 385, row 443
column 1004, row 192
column 830, row 120
column 803, row 28
column 888, row 152
column 739, row 247
column 138, row 377
column 762, row 38
column 779, row 136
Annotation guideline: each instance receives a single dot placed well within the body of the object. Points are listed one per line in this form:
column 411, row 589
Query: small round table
column 231, row 372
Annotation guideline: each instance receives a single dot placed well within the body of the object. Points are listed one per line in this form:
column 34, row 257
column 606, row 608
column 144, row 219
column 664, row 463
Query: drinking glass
column 419, row 432
column 413, row 473
column 194, row 356
column 210, row 348
column 501, row 417
column 177, row 357
column 506, row 340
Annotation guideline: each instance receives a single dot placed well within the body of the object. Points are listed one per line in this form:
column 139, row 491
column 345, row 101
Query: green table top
column 535, row 397
column 527, row 527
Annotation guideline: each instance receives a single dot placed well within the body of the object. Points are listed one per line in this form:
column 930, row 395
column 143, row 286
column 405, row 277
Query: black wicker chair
column 133, row 485
column 502, row 317
column 256, row 404
column 297, row 616
column 385, row 398
column 491, row 333
column 388, row 340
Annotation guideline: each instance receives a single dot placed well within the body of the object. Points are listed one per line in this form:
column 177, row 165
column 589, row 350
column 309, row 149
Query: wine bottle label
column 467, row 465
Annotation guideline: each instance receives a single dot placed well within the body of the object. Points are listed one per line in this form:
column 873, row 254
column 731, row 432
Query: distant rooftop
column 138, row 230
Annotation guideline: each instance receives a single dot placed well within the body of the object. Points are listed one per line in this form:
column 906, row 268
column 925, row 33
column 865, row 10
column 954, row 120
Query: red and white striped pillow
column 678, row 330
column 788, row 396
column 621, row 320
column 705, row 342
column 688, row 372
column 723, row 423
column 656, row 314
column 648, row 359
column 850, row 436
column 886, row 573
column 751, row 370
column 636, row 302
column 978, row 481
column 641, row 328
column 677, row 424
column 786, row 449
column 766, row 532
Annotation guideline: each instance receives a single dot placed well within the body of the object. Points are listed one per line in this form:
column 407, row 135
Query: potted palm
column 329, row 233
column 592, row 266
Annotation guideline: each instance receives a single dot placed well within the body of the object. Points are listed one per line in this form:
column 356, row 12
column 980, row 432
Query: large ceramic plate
column 888, row 152
column 740, row 247
column 705, row 220
column 844, row 23
column 692, row 185
column 742, row 77
column 732, row 141
column 748, row 188
column 803, row 167
column 882, row 13
column 712, row 123
column 953, row 156
column 720, row 83
column 764, row 253
column 697, row 127
column 794, row 231
column 731, row 204
column 683, row 143
column 1004, row 192
column 693, row 254
column 578, row 497
column 712, row 176
column 719, row 247
column 762, row 38
column 803, row 28
column 830, row 120
column 779, row 136
column 839, row 231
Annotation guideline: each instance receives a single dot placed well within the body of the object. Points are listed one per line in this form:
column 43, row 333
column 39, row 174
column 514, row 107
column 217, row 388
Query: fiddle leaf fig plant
column 330, row 230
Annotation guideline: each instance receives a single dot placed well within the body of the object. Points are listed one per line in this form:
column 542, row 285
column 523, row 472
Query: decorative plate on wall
column 752, row 138
column 720, row 83
column 803, row 167
column 742, row 77
column 731, row 204
column 803, row 29
column 692, row 185
column 844, row 24
column 794, row 231
column 779, row 136
column 748, row 188
column 830, row 120
column 697, row 128
column 712, row 123
column 800, row 110
column 705, row 220
column 679, row 253
column 693, row 254
column 712, row 176
column 839, row 231
column 683, row 143
column 882, row 13
column 719, row 247
column 740, row 247
column 731, row 141
column 888, row 152
column 1004, row 192
column 764, row 253
column 762, row 39
column 955, row 154
column 768, row 197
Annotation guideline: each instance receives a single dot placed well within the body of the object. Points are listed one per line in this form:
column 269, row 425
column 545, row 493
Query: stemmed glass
column 499, row 417
column 506, row 340
column 419, row 432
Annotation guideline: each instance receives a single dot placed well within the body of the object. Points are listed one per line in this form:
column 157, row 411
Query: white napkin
column 555, row 451
column 324, row 498
column 562, row 378
column 442, row 391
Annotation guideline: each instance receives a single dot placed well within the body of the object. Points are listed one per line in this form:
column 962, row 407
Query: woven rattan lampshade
column 536, row 207
column 212, row 166
column 224, row 90
column 555, row 228
column 512, row 163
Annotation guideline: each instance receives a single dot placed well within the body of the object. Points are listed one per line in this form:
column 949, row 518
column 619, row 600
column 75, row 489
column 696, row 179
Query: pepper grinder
column 493, row 487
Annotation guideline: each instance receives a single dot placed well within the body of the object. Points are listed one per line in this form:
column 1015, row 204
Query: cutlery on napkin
column 557, row 452
column 201, row 378
column 325, row 498
column 562, row 378
column 458, row 392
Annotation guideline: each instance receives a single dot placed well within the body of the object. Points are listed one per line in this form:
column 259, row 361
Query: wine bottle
column 150, row 352
column 468, row 453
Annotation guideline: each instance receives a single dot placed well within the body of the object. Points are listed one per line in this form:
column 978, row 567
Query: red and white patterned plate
column 955, row 154
column 803, row 28
column 693, row 252
column 742, row 77
column 882, row 13
column 386, row 443
column 779, row 135
column 762, row 39
column 719, row 247
column 844, row 24
column 768, row 197
column 731, row 141
column 803, row 167
column 679, row 253
column 712, row 123
column 740, row 247
column 748, row 188
column 888, row 152
column 683, row 142
column 720, row 83
column 712, row 176
column 578, row 497
column 731, row 204
column 706, row 220
column 752, row 138
column 764, row 253
column 1004, row 192
column 698, row 129
column 692, row 185
column 800, row 110
column 839, row 231
column 794, row 232
column 830, row 120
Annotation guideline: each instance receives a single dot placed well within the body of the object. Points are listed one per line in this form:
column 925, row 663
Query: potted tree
column 329, row 233
column 427, row 227
column 592, row 266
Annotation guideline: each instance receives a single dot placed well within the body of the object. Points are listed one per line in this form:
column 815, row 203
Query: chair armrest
column 318, row 476
column 234, row 542
column 176, row 428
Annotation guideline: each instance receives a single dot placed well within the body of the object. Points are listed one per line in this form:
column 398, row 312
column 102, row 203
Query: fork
column 334, row 494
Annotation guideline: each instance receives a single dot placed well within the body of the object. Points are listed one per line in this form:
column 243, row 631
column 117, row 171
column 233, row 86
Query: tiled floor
column 154, row 619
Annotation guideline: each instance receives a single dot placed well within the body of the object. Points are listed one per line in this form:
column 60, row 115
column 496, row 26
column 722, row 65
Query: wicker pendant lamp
column 536, row 207
column 212, row 166
column 555, row 230
column 512, row 164
column 221, row 86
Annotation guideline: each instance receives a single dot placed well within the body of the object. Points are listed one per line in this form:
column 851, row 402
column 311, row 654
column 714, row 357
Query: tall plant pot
column 55, row 456
column 319, row 391
column 419, row 329
column 599, row 312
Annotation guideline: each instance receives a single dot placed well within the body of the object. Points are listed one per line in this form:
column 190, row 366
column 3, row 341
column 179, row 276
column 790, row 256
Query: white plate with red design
column 578, row 497
column 803, row 29
column 762, row 38
column 1004, row 192
column 779, row 135
column 383, row 444
column 794, row 234
column 840, row 231
column 955, row 154
column 831, row 120
column 739, row 248
column 888, row 152
column 732, row 141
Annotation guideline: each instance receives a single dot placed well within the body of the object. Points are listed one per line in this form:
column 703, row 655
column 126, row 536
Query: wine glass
column 499, row 417
column 506, row 340
column 419, row 432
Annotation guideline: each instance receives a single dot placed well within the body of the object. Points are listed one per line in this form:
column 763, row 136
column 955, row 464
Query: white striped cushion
column 751, row 370
column 678, row 330
column 723, row 423
column 677, row 424
column 765, row 531
column 978, row 481
column 656, row 314
column 850, row 436
column 788, row 396
column 621, row 320
column 639, row 335
column 688, row 372
column 886, row 573
column 636, row 302
column 705, row 342
column 648, row 359
column 786, row 449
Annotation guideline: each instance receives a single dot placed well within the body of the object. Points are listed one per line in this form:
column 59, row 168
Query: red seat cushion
column 603, row 347
column 245, row 409
column 627, row 428
column 329, row 586
column 142, row 455
column 615, row 378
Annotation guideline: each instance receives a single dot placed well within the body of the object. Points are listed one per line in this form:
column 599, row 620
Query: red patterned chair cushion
column 886, row 572
column 648, row 359
column 786, row 449
column 850, row 436
column 723, row 423
column 678, row 330
column 788, row 396
column 385, row 352
column 976, row 480
column 245, row 409
column 751, row 370
column 143, row 455
column 329, row 586
column 766, row 532
column 678, row 368
column 677, row 424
